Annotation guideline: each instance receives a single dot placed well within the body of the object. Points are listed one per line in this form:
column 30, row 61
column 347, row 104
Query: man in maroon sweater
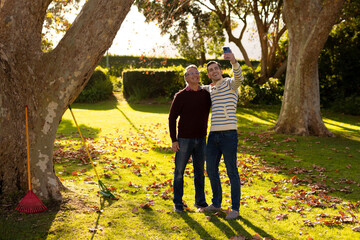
column 192, row 104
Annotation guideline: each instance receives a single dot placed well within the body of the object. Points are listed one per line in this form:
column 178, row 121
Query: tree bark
column 46, row 82
column 309, row 23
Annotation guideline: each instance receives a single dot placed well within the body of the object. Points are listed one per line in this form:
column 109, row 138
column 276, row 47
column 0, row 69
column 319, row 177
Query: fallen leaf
column 237, row 238
column 135, row 209
column 356, row 229
column 281, row 216
column 174, row 227
column 257, row 237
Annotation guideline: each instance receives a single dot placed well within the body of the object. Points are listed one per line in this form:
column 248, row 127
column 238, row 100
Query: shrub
column 117, row 83
column 249, row 77
column 348, row 105
column 152, row 83
column 339, row 63
column 118, row 64
column 204, row 79
column 98, row 88
column 270, row 92
column 246, row 95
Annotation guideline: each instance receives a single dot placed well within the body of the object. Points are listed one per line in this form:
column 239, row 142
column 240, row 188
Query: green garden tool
column 103, row 189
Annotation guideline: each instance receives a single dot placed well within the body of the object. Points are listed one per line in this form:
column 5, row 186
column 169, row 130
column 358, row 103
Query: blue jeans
column 223, row 143
column 194, row 147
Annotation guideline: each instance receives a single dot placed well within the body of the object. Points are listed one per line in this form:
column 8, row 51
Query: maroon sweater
column 193, row 107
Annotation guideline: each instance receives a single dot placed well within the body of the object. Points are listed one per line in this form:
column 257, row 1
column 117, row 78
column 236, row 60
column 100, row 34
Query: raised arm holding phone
column 223, row 138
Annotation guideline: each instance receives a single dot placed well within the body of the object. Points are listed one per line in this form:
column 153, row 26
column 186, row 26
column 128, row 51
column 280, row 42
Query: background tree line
column 198, row 28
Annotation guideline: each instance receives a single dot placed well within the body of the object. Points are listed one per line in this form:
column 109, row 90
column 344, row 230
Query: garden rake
column 30, row 203
column 103, row 189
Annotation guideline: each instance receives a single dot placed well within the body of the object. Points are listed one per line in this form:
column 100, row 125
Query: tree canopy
column 211, row 19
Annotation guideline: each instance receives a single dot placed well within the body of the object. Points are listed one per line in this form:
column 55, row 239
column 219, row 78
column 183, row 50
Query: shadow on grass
column 195, row 226
column 112, row 102
column 269, row 115
column 15, row 225
column 345, row 131
column 102, row 206
column 151, row 108
column 108, row 104
column 233, row 227
column 155, row 147
column 224, row 228
column 236, row 225
column 229, row 228
column 338, row 156
column 68, row 128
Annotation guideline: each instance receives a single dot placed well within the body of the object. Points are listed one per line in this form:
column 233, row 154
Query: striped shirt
column 224, row 96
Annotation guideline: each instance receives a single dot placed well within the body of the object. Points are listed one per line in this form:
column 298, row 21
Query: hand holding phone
column 226, row 50
column 229, row 57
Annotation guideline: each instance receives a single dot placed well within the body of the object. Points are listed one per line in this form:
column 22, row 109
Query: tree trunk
column 46, row 82
column 309, row 23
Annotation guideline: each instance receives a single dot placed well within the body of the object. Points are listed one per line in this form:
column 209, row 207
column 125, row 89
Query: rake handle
column 91, row 161
column 27, row 146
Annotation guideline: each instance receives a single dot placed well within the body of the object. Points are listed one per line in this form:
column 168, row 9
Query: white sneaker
column 211, row 208
column 232, row 215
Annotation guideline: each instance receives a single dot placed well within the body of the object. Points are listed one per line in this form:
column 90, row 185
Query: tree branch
column 90, row 35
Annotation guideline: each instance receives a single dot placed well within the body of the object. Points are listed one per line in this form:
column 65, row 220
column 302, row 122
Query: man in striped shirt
column 223, row 138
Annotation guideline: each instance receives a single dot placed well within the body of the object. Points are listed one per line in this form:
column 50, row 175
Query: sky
column 137, row 38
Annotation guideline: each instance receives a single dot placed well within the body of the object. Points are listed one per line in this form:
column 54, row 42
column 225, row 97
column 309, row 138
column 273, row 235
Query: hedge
column 152, row 83
column 117, row 64
column 98, row 88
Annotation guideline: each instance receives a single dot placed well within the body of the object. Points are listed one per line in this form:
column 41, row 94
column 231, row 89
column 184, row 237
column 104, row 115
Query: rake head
column 106, row 192
column 30, row 204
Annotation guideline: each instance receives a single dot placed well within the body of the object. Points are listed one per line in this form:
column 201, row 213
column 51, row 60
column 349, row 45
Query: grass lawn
column 292, row 187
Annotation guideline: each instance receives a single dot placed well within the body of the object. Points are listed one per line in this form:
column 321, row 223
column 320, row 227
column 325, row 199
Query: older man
column 192, row 105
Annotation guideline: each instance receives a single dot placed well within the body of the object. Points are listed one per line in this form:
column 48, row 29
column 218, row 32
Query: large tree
column 309, row 23
column 46, row 82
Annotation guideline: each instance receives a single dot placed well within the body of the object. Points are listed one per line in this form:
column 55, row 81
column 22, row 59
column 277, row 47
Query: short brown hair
column 213, row 62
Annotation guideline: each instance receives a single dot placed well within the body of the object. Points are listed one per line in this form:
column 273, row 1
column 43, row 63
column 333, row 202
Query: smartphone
column 226, row 49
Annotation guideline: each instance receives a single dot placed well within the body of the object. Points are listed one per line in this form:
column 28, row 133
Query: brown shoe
column 211, row 208
column 232, row 215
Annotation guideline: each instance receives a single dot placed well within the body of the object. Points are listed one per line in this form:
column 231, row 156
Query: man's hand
column 175, row 146
column 230, row 56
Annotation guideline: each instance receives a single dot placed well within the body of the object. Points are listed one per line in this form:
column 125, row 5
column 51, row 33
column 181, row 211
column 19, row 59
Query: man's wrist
column 236, row 63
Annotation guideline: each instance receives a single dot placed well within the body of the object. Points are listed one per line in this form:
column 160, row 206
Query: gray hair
column 187, row 69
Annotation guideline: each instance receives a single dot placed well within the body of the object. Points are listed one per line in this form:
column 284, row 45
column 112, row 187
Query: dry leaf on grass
column 356, row 229
column 238, row 238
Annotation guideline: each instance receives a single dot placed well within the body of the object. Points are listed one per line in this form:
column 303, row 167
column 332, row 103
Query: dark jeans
column 194, row 147
column 223, row 143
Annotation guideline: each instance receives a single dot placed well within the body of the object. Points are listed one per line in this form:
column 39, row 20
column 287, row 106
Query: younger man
column 223, row 136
